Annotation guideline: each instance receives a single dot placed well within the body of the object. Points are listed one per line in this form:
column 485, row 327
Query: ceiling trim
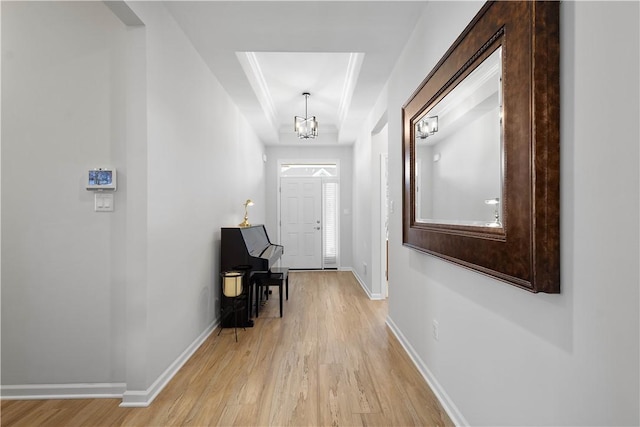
column 353, row 71
column 252, row 69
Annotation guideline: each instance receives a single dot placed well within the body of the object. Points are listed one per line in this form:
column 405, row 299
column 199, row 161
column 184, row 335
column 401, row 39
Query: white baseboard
column 143, row 398
column 449, row 406
column 130, row 398
column 371, row 295
column 63, row 391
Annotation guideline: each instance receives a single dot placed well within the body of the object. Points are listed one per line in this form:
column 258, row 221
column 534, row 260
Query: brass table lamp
column 245, row 223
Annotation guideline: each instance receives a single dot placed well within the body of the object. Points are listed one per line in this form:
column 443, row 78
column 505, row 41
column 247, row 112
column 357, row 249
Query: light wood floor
column 330, row 361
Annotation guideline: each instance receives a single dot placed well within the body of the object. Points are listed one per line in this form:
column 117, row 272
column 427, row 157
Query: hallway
column 330, row 360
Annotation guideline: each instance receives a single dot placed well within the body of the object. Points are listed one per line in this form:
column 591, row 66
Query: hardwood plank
column 331, row 360
column 11, row 411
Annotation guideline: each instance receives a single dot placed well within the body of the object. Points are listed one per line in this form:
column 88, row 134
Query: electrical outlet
column 364, row 268
column 435, row 330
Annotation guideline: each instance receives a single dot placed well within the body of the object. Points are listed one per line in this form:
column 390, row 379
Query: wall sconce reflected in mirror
column 496, row 214
column 426, row 127
column 245, row 223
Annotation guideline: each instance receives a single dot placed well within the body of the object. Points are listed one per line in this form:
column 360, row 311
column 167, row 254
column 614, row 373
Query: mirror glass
column 459, row 152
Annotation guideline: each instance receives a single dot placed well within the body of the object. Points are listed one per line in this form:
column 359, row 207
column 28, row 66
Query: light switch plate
column 103, row 202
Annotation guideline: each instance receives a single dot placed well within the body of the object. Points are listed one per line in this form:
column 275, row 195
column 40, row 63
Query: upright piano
column 246, row 249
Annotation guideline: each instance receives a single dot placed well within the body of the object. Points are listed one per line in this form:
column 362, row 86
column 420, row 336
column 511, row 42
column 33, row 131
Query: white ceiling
column 267, row 53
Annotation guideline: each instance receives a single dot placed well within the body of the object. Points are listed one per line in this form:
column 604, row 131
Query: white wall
column 370, row 145
column 203, row 165
column 506, row 356
column 312, row 152
column 112, row 298
column 63, row 99
column 363, row 190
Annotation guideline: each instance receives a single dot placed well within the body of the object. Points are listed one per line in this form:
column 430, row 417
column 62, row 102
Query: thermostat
column 101, row 179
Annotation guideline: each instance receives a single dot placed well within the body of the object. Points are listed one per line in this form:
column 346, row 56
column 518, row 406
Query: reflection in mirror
column 459, row 152
column 478, row 191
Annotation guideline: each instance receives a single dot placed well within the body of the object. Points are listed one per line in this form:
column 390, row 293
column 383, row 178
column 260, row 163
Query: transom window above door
column 309, row 170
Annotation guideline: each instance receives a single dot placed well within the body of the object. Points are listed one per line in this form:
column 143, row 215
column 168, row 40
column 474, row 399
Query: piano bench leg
column 264, row 287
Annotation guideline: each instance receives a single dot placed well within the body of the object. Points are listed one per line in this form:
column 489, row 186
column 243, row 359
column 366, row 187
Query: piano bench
column 277, row 276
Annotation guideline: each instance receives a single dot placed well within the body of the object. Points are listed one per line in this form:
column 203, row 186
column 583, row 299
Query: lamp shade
column 232, row 283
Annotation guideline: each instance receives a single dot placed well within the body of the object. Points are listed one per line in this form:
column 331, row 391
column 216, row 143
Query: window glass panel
column 307, row 170
column 330, row 224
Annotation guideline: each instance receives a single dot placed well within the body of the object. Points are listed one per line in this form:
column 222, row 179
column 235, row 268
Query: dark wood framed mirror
column 481, row 149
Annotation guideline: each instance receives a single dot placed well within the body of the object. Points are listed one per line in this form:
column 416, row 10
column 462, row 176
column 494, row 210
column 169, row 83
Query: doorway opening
column 308, row 206
column 384, row 224
column 380, row 203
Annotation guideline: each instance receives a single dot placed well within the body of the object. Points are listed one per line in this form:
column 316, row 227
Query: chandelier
column 306, row 127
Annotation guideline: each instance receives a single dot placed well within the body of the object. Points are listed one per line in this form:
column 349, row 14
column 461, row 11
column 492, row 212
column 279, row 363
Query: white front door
column 301, row 222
